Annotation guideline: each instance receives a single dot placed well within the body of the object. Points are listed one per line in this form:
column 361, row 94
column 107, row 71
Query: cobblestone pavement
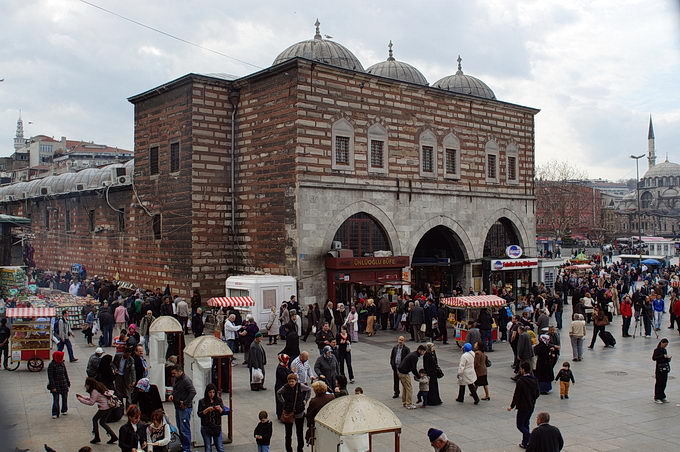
column 610, row 407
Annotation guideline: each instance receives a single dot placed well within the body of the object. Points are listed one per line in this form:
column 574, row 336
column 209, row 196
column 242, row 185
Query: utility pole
column 639, row 221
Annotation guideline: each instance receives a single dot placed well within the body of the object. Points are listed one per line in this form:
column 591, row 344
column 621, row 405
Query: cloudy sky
column 595, row 69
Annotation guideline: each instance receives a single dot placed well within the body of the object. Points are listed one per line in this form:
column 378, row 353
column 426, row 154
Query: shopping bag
column 257, row 377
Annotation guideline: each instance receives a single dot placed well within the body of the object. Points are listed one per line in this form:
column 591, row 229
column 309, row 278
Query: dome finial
column 391, row 56
column 318, row 33
column 460, row 66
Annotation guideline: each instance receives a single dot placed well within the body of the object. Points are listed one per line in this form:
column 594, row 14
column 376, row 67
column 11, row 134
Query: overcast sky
column 595, row 69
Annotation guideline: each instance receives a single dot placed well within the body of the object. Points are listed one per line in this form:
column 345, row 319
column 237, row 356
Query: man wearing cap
column 93, row 364
column 257, row 359
column 440, row 442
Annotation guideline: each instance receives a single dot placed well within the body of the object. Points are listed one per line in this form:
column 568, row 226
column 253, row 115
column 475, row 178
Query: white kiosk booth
column 348, row 424
column 198, row 364
column 158, row 346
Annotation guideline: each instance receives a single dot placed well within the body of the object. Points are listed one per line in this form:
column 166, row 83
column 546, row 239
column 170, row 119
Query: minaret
column 19, row 141
column 651, row 153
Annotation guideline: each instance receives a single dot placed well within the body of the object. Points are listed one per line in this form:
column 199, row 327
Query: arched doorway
column 364, row 264
column 438, row 260
column 499, row 269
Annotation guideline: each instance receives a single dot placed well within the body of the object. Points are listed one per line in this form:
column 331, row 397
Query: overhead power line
column 217, row 52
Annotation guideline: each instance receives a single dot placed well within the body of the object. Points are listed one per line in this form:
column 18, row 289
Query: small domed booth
column 348, row 424
column 166, row 338
column 203, row 359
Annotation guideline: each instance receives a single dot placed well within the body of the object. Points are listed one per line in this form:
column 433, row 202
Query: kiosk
column 159, row 331
column 31, row 337
column 198, row 364
column 349, row 423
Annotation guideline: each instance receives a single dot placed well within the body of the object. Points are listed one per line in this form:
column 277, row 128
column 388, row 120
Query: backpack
column 114, row 401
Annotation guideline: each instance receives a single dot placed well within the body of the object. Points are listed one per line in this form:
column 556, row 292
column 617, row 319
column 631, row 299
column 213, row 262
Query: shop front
column 513, row 274
column 349, row 276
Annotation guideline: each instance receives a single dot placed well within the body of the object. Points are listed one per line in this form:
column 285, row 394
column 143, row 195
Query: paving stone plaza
column 610, row 407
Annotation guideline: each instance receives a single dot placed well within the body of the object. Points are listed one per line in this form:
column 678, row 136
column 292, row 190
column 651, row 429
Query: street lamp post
column 637, row 188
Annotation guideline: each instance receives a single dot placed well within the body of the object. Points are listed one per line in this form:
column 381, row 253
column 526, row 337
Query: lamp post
column 637, row 188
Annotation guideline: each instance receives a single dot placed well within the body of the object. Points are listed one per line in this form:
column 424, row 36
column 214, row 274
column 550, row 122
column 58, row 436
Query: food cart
column 212, row 320
column 466, row 309
column 31, row 337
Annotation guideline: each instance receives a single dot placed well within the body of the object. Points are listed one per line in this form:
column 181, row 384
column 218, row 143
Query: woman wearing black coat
column 106, row 376
column 282, row 372
column 292, row 348
column 545, row 363
column 431, row 366
column 663, row 360
column 132, row 435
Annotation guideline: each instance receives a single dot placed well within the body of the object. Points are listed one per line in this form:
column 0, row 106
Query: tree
column 563, row 201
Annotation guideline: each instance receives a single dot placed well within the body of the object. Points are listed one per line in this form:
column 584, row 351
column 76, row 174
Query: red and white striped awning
column 31, row 312
column 477, row 301
column 675, row 283
column 223, row 302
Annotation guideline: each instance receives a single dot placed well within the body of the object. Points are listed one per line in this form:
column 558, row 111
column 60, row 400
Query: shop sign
column 367, row 262
column 514, row 251
column 514, row 264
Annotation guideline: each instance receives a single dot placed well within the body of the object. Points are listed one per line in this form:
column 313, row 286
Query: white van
column 265, row 290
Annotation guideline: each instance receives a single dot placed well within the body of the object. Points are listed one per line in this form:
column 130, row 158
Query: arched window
column 343, row 145
column 363, row 234
column 451, row 157
column 501, row 235
column 646, row 200
column 377, row 149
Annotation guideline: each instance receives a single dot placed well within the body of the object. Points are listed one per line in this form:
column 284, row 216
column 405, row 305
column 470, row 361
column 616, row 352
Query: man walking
column 141, row 367
column 64, row 334
column 417, row 319
column 106, row 323
column 398, row 354
column 525, row 350
column 230, row 329
column 183, row 393
column 4, row 342
column 300, row 366
column 257, row 359
column 183, row 314
column 144, row 325
column 524, row 400
column 409, row 365
column 545, row 437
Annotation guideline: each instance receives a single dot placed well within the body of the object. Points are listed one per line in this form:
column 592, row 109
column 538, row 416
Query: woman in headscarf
column 292, row 348
column 545, row 362
column 481, row 363
column 352, row 324
column 466, row 374
column 105, row 371
column 326, row 366
column 282, row 372
column 147, row 398
column 284, row 320
column 431, row 366
column 58, row 384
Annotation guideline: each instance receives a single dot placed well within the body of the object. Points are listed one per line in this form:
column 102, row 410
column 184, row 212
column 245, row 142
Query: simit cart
column 466, row 309
column 31, row 337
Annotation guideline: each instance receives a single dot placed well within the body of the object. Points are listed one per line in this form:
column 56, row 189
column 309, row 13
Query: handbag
column 439, row 373
column 664, row 368
column 288, row 417
column 423, row 328
column 488, row 362
column 314, row 329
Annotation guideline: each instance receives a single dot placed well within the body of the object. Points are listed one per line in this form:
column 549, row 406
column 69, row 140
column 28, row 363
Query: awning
column 16, row 221
column 675, row 283
column 31, row 312
column 477, row 301
column 223, row 302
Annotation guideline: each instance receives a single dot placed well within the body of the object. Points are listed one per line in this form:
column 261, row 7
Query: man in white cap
column 93, row 363
column 440, row 442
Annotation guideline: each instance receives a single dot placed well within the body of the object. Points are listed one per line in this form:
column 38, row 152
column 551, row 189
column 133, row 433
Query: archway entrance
column 500, row 271
column 439, row 260
column 364, row 264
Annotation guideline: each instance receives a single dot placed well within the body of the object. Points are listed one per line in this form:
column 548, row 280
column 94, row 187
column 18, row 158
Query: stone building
column 275, row 170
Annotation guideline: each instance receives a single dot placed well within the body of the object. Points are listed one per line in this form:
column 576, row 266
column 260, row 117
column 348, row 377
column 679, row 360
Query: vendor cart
column 31, row 337
column 466, row 309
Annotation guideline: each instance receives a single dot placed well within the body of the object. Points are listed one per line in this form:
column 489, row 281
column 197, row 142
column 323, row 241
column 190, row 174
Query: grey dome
column 465, row 84
column 397, row 70
column 319, row 49
column 663, row 169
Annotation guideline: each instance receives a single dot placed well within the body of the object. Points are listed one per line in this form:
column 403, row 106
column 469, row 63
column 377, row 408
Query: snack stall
column 31, row 337
column 466, row 309
column 65, row 301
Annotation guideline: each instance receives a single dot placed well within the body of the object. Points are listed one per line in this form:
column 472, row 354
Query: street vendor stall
column 166, row 338
column 203, row 358
column 212, row 321
column 65, row 301
column 31, row 337
column 466, row 309
column 349, row 424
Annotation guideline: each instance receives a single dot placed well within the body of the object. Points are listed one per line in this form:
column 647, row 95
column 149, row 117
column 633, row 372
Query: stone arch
column 515, row 221
column 371, row 209
column 466, row 245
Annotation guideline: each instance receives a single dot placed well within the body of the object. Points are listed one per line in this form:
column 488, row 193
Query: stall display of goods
column 31, row 337
column 13, row 280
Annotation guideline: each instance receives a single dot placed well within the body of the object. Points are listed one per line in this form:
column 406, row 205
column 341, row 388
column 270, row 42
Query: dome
column 465, row 84
column 206, row 347
column 165, row 324
column 663, row 169
column 397, row 70
column 357, row 414
column 324, row 51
